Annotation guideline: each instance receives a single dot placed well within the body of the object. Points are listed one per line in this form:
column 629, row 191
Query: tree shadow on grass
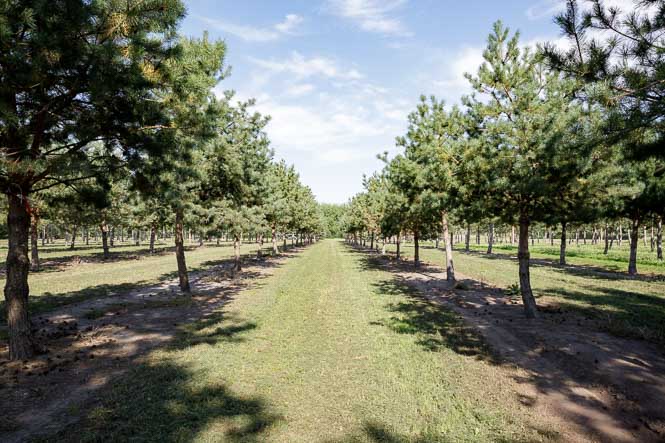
column 552, row 367
column 159, row 398
column 165, row 401
column 49, row 301
column 609, row 272
column 620, row 312
column 435, row 327
column 376, row 432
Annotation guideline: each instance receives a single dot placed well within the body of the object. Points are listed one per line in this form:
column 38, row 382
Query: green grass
column 586, row 255
column 590, row 285
column 328, row 349
column 134, row 268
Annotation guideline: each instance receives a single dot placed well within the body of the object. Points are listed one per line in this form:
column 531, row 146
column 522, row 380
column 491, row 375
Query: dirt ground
column 86, row 345
column 590, row 385
column 594, row 386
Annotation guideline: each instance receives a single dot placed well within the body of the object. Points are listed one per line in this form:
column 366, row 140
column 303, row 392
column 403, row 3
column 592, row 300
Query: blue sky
column 339, row 77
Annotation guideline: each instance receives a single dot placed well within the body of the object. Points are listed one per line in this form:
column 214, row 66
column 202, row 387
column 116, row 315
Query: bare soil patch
column 87, row 345
column 593, row 386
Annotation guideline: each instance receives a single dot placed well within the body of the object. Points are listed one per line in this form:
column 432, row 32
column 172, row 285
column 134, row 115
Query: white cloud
column 372, row 15
column 447, row 75
column 291, row 22
column 300, row 89
column 257, row 34
column 303, row 67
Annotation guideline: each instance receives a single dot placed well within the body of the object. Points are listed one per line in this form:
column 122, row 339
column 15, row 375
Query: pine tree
column 532, row 134
column 72, row 73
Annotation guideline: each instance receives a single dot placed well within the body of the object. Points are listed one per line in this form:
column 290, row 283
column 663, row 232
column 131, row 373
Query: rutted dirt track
column 596, row 386
column 89, row 344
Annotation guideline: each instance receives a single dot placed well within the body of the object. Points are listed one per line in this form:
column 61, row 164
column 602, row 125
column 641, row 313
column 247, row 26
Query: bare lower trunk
column 260, row 250
column 523, row 256
column 562, row 248
column 467, row 241
column 450, row 268
column 275, row 251
column 659, row 239
column 371, row 241
column 607, row 239
column 34, row 242
column 105, row 239
column 153, row 234
column 73, row 243
column 21, row 345
column 490, row 238
column 236, row 252
column 634, row 233
column 183, row 275
column 399, row 244
column 383, row 247
column 416, row 249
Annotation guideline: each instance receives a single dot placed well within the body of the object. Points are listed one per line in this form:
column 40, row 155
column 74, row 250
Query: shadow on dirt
column 610, row 388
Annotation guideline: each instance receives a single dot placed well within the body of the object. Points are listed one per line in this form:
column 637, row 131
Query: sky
column 339, row 77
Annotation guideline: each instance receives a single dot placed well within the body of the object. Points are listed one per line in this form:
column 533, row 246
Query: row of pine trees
column 549, row 138
column 110, row 120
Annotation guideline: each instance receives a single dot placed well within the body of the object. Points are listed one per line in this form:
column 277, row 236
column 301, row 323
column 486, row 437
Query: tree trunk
column 450, row 268
column 467, row 240
column 183, row 276
column 562, row 249
column 416, row 248
column 260, row 251
column 659, row 239
column 73, row 243
column 34, row 242
column 371, row 241
column 383, row 247
column 530, row 309
column 237, row 267
column 399, row 243
column 153, row 234
column 607, row 239
column 634, row 239
column 275, row 251
column 105, row 239
column 21, row 345
column 490, row 238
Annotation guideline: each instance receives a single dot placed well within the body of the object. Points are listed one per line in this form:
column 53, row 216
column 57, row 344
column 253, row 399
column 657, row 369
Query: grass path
column 319, row 352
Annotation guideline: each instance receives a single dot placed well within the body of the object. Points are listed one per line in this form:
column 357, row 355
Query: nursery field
column 327, row 342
